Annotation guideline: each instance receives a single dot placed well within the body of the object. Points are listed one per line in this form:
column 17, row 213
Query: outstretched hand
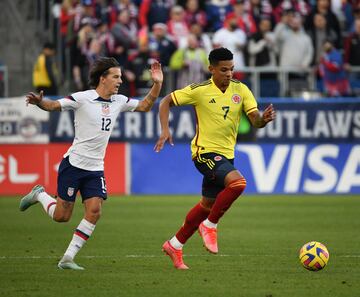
column 269, row 114
column 165, row 136
column 32, row 98
column 156, row 72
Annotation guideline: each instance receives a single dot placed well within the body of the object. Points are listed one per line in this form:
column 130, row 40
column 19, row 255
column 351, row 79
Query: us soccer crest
column 105, row 109
column 236, row 98
column 70, row 191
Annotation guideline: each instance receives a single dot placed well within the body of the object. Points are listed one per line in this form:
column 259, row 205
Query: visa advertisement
column 268, row 169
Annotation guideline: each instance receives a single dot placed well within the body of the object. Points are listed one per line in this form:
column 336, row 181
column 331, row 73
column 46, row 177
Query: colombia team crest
column 236, row 98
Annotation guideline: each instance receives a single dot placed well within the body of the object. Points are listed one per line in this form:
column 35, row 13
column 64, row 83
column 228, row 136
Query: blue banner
column 268, row 169
column 313, row 122
column 298, row 121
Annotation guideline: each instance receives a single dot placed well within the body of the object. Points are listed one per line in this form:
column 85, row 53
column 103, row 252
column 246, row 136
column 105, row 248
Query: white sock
column 81, row 235
column 48, row 203
column 175, row 243
column 209, row 224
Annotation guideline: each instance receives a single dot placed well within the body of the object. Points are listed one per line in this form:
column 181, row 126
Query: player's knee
column 238, row 185
column 61, row 218
column 93, row 214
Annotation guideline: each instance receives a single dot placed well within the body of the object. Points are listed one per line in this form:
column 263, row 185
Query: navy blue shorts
column 72, row 179
column 214, row 168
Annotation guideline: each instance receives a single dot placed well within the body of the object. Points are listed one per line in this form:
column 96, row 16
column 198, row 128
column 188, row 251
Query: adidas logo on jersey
column 212, row 101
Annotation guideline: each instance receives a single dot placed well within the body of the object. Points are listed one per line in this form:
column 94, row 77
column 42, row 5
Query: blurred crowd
column 324, row 34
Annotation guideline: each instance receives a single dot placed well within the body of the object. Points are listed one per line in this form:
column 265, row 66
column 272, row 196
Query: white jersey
column 94, row 120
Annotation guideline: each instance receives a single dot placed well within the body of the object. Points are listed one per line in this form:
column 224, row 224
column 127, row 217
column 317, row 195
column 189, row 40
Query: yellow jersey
column 217, row 114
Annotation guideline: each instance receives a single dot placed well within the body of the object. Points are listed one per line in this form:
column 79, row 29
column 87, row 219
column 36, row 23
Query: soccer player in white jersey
column 82, row 168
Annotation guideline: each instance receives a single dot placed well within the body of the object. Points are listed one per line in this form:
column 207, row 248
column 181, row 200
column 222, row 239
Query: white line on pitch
column 151, row 256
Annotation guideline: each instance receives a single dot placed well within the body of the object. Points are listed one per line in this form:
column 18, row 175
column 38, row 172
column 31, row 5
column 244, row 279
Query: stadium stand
column 83, row 30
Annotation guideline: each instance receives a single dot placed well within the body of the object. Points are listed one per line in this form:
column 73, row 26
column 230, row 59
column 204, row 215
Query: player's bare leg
column 82, row 233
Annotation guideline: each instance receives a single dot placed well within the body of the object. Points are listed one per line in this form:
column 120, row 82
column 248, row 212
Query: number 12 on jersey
column 105, row 124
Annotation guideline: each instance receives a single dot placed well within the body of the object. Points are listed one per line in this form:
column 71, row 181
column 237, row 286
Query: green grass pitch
column 259, row 240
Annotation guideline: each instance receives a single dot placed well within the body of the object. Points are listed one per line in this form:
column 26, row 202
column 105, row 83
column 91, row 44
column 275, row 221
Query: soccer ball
column 314, row 256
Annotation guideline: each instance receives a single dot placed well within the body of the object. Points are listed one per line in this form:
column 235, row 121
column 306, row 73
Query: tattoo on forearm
column 152, row 98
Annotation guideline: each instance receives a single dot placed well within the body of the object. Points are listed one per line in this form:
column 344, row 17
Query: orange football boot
column 209, row 236
column 175, row 255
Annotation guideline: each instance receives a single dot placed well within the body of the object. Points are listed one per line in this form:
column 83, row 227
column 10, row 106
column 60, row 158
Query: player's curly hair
column 101, row 68
column 220, row 54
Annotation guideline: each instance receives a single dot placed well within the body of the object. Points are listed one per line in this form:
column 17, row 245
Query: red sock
column 192, row 221
column 225, row 198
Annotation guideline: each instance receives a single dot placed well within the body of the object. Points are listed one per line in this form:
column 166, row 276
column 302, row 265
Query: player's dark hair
column 101, row 68
column 220, row 54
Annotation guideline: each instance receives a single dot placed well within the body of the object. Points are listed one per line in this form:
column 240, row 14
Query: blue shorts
column 214, row 168
column 72, row 179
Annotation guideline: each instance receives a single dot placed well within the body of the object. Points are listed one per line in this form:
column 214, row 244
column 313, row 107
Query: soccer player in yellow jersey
column 218, row 105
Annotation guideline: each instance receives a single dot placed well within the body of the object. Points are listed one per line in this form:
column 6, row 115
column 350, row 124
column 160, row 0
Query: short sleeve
column 69, row 103
column 250, row 103
column 129, row 104
column 185, row 96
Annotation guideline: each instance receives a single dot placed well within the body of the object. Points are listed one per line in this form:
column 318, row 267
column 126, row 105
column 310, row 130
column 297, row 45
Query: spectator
column 106, row 40
column 190, row 62
column 258, row 9
column 177, row 26
column 320, row 32
column 355, row 15
column 152, row 12
column 194, row 14
column 261, row 46
column 352, row 46
column 124, row 31
column 45, row 73
column 102, row 11
column 323, row 7
column 300, row 6
column 86, row 10
column 245, row 21
column 120, row 5
column 261, row 50
column 282, row 28
column 80, row 53
column 234, row 39
column 296, row 53
column 161, row 45
column 203, row 38
column 332, row 70
column 125, row 34
column 137, row 71
column 216, row 11
column 297, row 49
column 67, row 14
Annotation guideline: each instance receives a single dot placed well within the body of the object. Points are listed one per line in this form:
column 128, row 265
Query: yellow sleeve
column 250, row 103
column 185, row 96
